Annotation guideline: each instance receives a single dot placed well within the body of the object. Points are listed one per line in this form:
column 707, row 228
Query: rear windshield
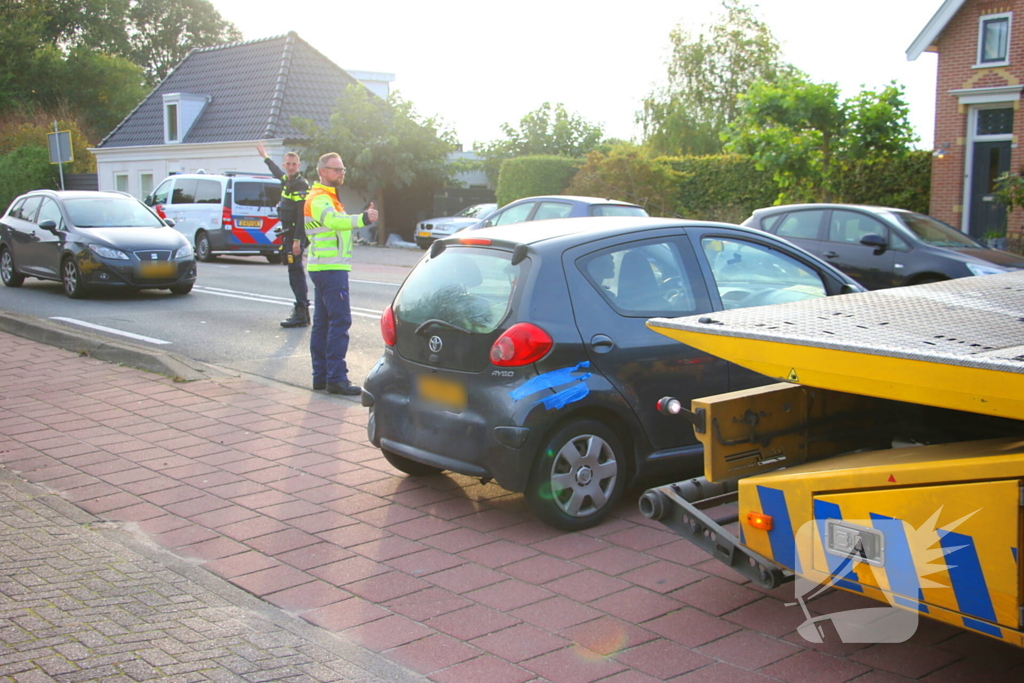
column 110, row 212
column 616, row 210
column 935, row 233
column 260, row 194
column 465, row 289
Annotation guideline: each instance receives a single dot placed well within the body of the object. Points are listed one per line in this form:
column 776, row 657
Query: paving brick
column 497, row 554
column 587, row 585
column 345, row 614
column 573, row 665
column 349, row 570
column 716, row 596
column 282, row 541
column 814, row 667
column 307, row 596
column 509, row 595
column 690, row 627
column 607, row 635
column 722, row 673
column 556, row 613
column 636, row 604
column 433, row 653
column 749, row 650
column 472, row 622
column 614, row 560
column 427, row 603
column 316, row 555
column 906, row 659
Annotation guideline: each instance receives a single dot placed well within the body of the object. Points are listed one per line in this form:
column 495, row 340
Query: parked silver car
column 435, row 228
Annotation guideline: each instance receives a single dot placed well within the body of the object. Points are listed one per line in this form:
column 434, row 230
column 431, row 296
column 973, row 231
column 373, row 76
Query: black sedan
column 522, row 354
column 92, row 239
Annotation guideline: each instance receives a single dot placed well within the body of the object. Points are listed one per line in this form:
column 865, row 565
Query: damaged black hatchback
column 522, row 354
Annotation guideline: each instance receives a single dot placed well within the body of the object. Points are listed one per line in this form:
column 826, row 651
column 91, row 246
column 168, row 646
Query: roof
column 255, row 87
column 936, row 25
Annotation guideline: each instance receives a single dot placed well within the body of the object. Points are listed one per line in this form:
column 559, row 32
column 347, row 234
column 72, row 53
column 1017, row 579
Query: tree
column 543, row 131
column 384, row 143
column 162, row 32
column 706, row 75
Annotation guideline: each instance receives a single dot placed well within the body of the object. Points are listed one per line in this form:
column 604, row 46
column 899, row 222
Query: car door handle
column 602, row 343
column 830, row 254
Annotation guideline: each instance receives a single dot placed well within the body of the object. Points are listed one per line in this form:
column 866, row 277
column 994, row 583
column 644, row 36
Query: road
column 231, row 317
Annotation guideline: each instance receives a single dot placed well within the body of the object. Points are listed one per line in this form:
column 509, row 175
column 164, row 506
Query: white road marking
column 235, row 294
column 111, row 330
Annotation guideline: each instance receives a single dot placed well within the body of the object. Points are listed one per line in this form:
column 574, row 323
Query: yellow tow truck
column 888, row 461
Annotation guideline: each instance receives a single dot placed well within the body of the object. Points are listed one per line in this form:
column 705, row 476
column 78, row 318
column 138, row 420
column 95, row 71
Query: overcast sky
column 476, row 65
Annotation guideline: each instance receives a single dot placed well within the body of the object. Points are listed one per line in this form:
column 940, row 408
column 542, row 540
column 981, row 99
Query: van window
column 184, row 191
column 160, row 196
column 257, row 193
column 208, row 192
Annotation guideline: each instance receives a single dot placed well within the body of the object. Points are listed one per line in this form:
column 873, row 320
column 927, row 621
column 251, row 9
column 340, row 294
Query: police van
column 233, row 213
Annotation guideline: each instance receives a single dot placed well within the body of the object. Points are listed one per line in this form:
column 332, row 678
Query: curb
column 85, row 343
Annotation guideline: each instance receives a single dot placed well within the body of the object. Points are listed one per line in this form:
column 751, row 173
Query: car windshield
column 477, row 211
column 936, row 233
column 461, row 288
column 261, row 194
column 616, row 210
column 110, row 212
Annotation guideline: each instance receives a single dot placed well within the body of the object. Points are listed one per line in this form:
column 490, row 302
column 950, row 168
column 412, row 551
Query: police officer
column 329, row 231
column 293, row 194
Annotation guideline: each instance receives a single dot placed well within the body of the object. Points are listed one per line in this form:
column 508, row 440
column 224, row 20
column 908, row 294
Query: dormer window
column 171, row 122
column 181, row 110
column 994, row 40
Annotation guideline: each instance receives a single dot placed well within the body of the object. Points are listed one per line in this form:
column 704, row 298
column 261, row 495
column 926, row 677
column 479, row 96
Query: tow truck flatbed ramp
column 956, row 344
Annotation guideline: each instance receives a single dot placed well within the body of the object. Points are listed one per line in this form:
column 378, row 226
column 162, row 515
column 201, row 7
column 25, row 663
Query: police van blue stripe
column 781, row 537
column 823, row 510
column 968, row 579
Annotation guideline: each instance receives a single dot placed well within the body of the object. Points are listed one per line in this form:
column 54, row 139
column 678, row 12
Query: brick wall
column 958, row 52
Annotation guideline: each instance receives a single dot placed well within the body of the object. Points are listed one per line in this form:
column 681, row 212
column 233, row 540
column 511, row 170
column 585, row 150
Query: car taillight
column 387, row 326
column 522, row 344
column 226, row 218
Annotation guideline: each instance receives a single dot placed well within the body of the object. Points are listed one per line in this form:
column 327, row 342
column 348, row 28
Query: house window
column 995, row 121
column 121, row 182
column 171, row 122
column 994, row 40
column 146, row 184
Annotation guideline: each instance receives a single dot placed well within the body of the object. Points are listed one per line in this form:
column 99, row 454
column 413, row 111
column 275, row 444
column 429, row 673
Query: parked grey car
column 883, row 247
column 435, row 228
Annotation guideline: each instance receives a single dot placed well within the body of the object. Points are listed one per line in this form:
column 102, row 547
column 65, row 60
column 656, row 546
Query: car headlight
column 183, row 252
column 107, row 252
column 978, row 269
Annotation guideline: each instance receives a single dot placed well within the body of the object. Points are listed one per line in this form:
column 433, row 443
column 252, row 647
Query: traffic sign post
column 60, row 149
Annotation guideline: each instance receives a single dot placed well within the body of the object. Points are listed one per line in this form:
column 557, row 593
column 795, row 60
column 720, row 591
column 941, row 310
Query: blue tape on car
column 565, row 396
column 550, row 380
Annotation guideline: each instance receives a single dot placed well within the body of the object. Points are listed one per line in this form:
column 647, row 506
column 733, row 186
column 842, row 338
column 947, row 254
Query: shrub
column 534, row 175
column 627, row 173
column 24, row 169
column 725, row 187
column 900, row 182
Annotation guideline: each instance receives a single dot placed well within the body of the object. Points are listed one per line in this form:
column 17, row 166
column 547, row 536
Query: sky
column 476, row 65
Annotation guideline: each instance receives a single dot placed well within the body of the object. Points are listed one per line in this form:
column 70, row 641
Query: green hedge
column 726, row 187
column 24, row 169
column 534, row 175
column 902, row 183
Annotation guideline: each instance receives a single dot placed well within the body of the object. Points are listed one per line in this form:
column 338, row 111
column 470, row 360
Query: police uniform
column 289, row 211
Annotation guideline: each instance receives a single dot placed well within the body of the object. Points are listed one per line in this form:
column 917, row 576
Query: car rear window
column 257, row 193
column 468, row 289
column 617, row 210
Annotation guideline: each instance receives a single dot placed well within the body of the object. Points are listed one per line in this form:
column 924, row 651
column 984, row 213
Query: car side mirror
column 169, row 222
column 49, row 225
column 875, row 240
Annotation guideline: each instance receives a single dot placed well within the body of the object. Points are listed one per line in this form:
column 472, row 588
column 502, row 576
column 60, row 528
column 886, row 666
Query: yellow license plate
column 444, row 392
column 159, row 269
column 424, row 233
column 250, row 223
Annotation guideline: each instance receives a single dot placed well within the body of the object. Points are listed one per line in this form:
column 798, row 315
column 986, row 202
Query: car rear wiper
column 443, row 323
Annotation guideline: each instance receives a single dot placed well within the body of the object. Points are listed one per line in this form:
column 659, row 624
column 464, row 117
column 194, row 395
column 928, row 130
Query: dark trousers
column 332, row 318
column 296, row 269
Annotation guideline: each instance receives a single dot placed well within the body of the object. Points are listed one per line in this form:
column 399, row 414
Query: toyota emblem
column 435, row 344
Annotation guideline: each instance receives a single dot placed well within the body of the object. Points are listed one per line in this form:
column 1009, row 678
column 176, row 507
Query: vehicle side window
column 161, row 193
column 642, row 279
column 15, row 211
column 49, row 211
column 549, row 210
column 257, row 193
column 800, row 225
column 515, row 214
column 752, row 274
column 184, row 191
column 768, row 223
column 207, row 192
column 29, row 208
column 848, row 227
column 897, row 243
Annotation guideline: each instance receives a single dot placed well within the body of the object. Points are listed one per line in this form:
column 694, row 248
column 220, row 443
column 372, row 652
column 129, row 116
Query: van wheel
column 72, row 279
column 203, row 250
column 578, row 476
column 8, row 273
column 411, row 467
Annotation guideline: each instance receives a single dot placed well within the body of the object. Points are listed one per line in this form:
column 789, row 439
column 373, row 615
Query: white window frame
column 172, row 121
column 984, row 19
column 121, row 177
column 143, row 192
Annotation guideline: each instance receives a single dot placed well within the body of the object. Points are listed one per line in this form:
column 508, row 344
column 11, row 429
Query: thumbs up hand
column 371, row 213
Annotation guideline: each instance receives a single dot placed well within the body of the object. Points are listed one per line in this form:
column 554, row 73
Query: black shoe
column 345, row 389
column 319, row 386
column 299, row 317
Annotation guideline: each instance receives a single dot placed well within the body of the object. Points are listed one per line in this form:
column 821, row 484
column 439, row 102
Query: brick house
column 980, row 46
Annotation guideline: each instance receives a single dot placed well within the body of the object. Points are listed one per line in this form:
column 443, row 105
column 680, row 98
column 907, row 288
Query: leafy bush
column 627, row 173
column 534, row 175
column 902, row 182
column 30, row 130
column 725, row 187
column 24, row 169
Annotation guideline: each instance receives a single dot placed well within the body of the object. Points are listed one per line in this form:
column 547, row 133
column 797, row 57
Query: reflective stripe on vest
column 292, row 196
column 329, row 230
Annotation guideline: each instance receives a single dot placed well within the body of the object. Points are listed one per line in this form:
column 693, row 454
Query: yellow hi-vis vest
column 329, row 230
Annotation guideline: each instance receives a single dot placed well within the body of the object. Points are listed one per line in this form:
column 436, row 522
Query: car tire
column 8, row 271
column 410, row 467
column 578, row 476
column 273, row 258
column 204, row 252
column 72, row 279
column 182, row 289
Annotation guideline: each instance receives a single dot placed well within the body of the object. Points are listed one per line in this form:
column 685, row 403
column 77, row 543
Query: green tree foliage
column 544, row 131
column 706, row 75
column 902, row 181
column 161, row 32
column 24, row 131
column 807, row 138
column 529, row 176
column 24, row 169
column 385, row 145
column 627, row 172
column 724, row 187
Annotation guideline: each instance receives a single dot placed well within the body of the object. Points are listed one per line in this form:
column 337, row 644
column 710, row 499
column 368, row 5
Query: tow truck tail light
column 387, row 326
column 759, row 520
column 521, row 344
column 226, row 218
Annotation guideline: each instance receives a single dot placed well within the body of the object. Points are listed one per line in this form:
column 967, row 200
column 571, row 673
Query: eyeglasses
column 338, row 169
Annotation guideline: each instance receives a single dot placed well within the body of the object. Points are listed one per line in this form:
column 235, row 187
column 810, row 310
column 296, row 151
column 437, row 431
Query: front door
column 991, row 159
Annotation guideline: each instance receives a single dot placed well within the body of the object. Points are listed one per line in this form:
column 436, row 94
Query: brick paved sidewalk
column 81, row 601
column 276, row 490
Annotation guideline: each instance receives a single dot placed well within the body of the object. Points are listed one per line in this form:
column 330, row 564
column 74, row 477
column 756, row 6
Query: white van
column 234, row 213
